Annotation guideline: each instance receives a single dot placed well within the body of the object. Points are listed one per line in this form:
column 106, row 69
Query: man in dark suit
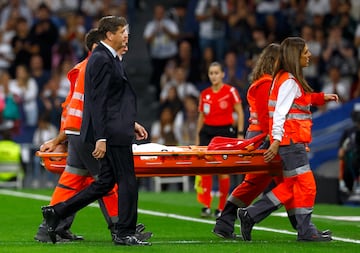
column 108, row 123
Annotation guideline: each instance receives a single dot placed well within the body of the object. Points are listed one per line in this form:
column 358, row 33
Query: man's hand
column 140, row 132
column 100, row 149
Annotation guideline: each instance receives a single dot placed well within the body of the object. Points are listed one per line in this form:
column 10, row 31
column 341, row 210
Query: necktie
column 120, row 65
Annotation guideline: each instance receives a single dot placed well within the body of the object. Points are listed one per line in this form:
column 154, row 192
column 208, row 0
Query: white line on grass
column 187, row 218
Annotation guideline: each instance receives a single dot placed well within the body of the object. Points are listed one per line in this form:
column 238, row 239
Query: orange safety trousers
column 69, row 184
column 204, row 196
column 298, row 191
column 251, row 187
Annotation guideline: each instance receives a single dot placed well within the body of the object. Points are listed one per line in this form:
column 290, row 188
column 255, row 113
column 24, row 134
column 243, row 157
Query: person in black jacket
column 109, row 123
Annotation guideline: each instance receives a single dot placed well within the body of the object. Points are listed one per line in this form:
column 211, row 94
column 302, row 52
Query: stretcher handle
column 51, row 154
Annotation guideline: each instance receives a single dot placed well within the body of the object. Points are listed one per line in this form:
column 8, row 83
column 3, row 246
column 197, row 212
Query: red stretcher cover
column 221, row 156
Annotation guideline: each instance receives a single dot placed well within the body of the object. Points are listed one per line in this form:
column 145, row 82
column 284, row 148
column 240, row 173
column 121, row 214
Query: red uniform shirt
column 218, row 106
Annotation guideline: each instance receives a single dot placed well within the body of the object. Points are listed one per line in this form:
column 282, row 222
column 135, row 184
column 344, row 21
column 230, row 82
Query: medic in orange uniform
column 290, row 122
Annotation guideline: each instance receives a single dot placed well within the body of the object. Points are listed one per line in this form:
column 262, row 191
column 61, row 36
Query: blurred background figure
column 161, row 36
column 44, row 132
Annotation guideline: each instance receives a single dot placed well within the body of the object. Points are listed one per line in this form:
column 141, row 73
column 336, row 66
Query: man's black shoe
column 246, row 223
column 67, row 234
column 143, row 236
column 325, row 232
column 52, row 221
column 43, row 236
column 140, row 228
column 139, row 233
column 224, row 235
column 130, row 241
column 315, row 238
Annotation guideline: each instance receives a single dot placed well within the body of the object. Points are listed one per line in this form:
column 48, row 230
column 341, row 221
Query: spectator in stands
column 64, row 83
column 162, row 130
column 357, row 41
column 239, row 25
column 311, row 73
column 355, row 9
column 172, row 101
column 169, row 73
column 235, row 71
column 185, row 122
column 259, row 42
column 275, row 27
column 336, row 85
column 22, row 44
column 38, row 72
column 10, row 113
column 91, row 9
column 332, row 17
column 212, row 16
column 183, row 87
column 339, row 51
column 346, row 22
column 73, row 33
column 24, row 87
column 186, row 59
column 50, row 99
column 45, row 32
column 355, row 86
column 44, row 132
column 6, row 53
column 161, row 36
column 19, row 7
column 317, row 7
column 208, row 57
column 177, row 13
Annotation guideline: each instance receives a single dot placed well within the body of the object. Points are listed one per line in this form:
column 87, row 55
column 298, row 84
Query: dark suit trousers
column 117, row 166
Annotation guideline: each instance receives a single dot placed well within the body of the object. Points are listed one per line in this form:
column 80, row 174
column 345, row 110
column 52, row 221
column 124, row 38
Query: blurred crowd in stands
column 185, row 38
column 40, row 41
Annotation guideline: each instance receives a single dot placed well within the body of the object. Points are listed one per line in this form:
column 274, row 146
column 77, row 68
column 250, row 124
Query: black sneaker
column 246, row 223
column 52, row 221
column 227, row 236
column 315, row 238
column 130, row 241
column 67, row 234
column 139, row 233
column 45, row 238
column 325, row 232
column 217, row 213
column 205, row 212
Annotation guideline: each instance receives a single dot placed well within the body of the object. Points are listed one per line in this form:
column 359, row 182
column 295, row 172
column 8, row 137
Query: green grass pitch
column 174, row 219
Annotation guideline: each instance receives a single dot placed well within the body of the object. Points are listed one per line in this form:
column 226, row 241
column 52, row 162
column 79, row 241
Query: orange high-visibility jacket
column 258, row 98
column 297, row 126
column 74, row 103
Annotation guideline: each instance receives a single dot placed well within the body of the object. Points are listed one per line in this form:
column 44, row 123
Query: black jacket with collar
column 109, row 101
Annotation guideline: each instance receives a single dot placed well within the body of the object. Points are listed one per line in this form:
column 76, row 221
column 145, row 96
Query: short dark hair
column 110, row 24
column 91, row 38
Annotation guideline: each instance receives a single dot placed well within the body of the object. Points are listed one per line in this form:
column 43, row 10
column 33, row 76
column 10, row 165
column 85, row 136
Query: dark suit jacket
column 109, row 101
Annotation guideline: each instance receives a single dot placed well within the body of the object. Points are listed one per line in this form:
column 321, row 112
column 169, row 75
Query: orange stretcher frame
column 191, row 160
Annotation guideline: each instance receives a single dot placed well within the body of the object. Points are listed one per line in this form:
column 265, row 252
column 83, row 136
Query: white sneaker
column 342, row 186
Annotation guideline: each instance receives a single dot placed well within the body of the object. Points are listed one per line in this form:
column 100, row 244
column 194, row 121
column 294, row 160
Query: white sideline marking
column 187, row 218
column 328, row 217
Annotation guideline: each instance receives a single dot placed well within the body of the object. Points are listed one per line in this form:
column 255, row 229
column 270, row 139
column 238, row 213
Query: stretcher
column 221, row 156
